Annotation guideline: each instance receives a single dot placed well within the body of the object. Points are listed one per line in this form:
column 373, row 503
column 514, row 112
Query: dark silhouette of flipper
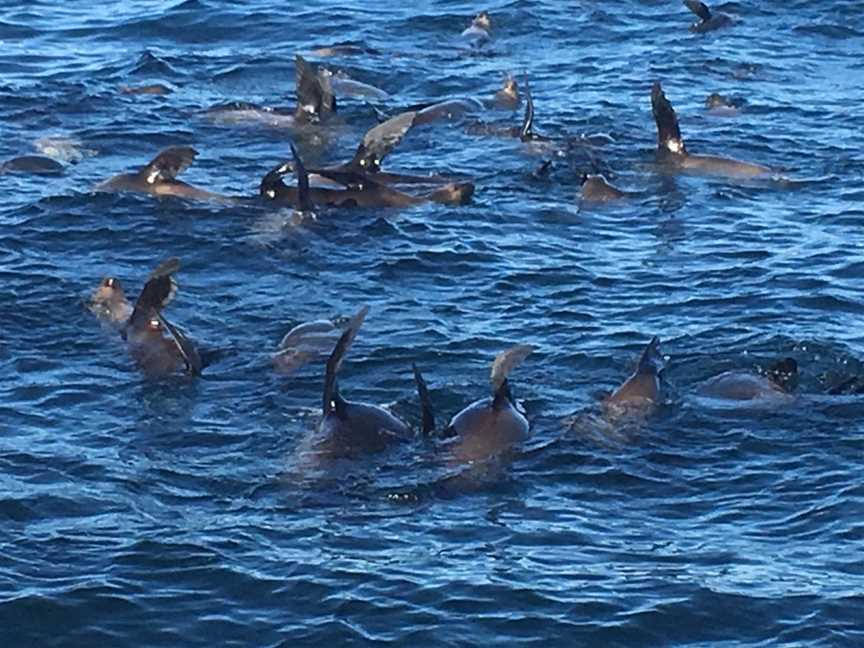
column 426, row 410
column 157, row 292
column 651, row 360
column 315, row 100
column 332, row 402
column 526, row 133
column 379, row 141
column 668, row 134
column 185, row 348
column 699, row 8
column 304, row 202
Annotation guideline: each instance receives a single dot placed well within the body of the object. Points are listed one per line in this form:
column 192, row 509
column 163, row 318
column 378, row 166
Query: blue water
column 167, row 512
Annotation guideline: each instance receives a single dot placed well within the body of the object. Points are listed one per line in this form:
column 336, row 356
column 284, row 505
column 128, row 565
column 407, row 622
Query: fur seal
column 595, row 188
column 32, row 164
column 315, row 102
column 507, row 97
column 638, row 396
column 157, row 346
column 368, row 193
column 307, row 342
column 775, row 384
column 672, row 153
column 151, row 89
column 478, row 32
column 718, row 104
column 349, row 428
column 708, row 21
column 159, row 177
column 489, row 426
column 343, row 85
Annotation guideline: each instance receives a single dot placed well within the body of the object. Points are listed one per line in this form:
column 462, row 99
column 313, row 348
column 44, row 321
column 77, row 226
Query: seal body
column 108, row 302
column 595, row 188
column 33, row 164
column 638, row 396
column 672, row 152
column 306, row 342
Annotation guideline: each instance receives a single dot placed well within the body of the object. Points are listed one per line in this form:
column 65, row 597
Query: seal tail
column 698, row 8
column 160, row 289
column 526, row 132
column 426, row 410
column 668, row 134
column 503, row 364
column 304, row 201
column 651, row 360
column 332, row 399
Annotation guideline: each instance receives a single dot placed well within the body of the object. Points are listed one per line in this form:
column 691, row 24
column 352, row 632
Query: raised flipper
column 425, row 402
column 503, row 364
column 668, row 134
column 168, row 164
column 185, row 347
column 314, row 100
column 526, row 133
column 157, row 292
column 651, row 361
column 379, row 141
column 332, row 402
column 304, row 202
column 698, row 8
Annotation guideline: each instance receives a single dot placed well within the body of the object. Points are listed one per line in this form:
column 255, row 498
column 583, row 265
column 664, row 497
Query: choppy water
column 176, row 512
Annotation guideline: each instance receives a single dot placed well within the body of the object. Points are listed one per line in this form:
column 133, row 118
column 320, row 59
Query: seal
column 487, row 427
column 479, row 31
column 157, row 346
column 774, row 386
column 349, row 428
column 672, row 153
column 159, row 178
column 307, row 342
column 595, row 188
column 718, row 104
column 32, row 164
column 151, row 89
column 315, row 102
column 507, row 98
column 638, row 396
column 708, row 21
column 344, row 86
column 367, row 193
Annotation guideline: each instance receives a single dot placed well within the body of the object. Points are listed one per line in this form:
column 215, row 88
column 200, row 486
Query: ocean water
column 184, row 512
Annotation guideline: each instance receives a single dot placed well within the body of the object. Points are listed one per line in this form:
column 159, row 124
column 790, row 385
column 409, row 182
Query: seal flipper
column 651, row 360
column 699, row 8
column 304, row 201
column 170, row 163
column 161, row 287
column 425, row 403
column 333, row 402
column 668, row 134
column 185, row 348
column 379, row 141
column 503, row 364
column 526, row 133
column 314, row 101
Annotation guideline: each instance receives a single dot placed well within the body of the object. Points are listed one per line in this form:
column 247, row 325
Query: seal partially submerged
column 595, row 188
column 159, row 177
column 348, row 428
column 489, row 426
column 157, row 346
column 773, row 386
column 672, row 153
column 639, row 395
column 32, row 164
column 307, row 342
column 479, row 31
column 708, row 20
